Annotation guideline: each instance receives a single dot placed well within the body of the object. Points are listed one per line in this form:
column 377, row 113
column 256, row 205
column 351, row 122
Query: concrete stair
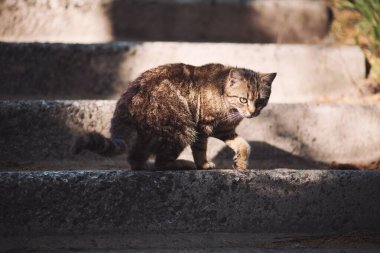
column 299, row 136
column 225, row 201
column 194, row 243
column 94, row 21
column 306, row 73
column 313, row 181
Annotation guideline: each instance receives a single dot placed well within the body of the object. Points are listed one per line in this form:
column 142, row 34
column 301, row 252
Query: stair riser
column 91, row 21
column 283, row 135
column 64, row 71
column 277, row 201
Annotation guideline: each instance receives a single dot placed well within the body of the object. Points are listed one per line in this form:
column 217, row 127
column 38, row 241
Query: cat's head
column 247, row 92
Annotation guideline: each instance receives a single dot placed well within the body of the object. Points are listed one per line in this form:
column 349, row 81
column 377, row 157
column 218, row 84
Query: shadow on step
column 64, row 72
column 219, row 21
column 201, row 22
column 121, row 202
column 265, row 156
column 41, row 132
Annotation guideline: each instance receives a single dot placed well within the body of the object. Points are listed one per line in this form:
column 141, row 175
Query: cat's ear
column 267, row 78
column 234, row 77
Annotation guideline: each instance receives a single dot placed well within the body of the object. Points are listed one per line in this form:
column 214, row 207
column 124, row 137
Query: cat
column 172, row 106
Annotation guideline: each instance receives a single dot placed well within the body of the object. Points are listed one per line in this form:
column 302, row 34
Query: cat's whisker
column 228, row 117
column 232, row 116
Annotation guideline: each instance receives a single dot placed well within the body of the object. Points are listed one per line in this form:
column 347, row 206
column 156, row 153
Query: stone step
column 219, row 201
column 89, row 21
column 38, row 134
column 69, row 71
column 194, row 243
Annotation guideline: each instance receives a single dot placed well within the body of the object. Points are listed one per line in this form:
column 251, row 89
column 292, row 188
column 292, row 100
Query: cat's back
column 154, row 83
column 171, row 85
column 158, row 100
column 165, row 100
column 175, row 73
column 179, row 73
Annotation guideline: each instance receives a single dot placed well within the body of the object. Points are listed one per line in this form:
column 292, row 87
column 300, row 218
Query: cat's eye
column 243, row 100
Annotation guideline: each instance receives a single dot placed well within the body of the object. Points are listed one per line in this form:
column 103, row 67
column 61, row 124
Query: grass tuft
column 359, row 22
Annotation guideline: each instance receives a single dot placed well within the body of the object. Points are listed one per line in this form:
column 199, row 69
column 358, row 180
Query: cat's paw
column 240, row 166
column 207, row 166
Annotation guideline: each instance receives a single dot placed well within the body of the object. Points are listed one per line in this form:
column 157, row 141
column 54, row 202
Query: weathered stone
column 122, row 201
column 304, row 73
column 43, row 131
column 89, row 21
column 195, row 243
column 62, row 71
column 39, row 133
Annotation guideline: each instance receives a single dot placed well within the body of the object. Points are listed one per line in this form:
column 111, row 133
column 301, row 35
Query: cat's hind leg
column 138, row 150
column 199, row 149
column 166, row 158
column 140, row 153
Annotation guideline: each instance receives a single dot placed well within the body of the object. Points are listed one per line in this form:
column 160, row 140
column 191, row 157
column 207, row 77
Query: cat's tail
column 99, row 144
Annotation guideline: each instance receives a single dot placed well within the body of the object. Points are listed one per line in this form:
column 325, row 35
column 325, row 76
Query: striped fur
column 97, row 143
column 176, row 105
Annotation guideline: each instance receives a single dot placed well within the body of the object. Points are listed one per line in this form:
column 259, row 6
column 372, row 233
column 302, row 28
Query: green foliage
column 370, row 22
column 369, row 28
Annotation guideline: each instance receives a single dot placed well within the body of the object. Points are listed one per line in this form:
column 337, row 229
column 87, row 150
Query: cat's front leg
column 199, row 149
column 241, row 149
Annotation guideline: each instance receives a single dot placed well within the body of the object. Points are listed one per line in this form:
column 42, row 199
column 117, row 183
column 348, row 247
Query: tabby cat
column 172, row 106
